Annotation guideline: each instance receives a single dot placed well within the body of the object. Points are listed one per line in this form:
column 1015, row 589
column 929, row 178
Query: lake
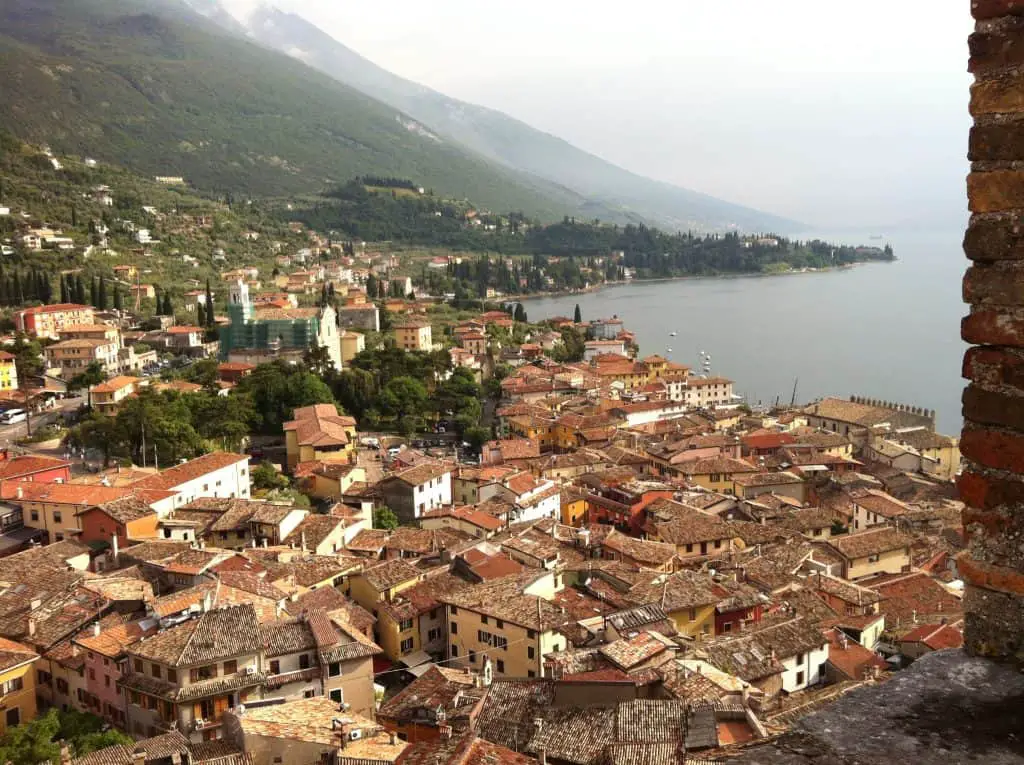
column 889, row 331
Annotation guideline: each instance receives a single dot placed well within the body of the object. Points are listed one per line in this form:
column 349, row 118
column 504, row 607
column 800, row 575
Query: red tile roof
column 189, row 471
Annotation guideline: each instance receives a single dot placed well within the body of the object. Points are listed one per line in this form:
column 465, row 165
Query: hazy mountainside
column 493, row 134
column 169, row 93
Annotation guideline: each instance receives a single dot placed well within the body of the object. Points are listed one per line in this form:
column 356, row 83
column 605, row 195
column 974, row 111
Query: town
column 317, row 512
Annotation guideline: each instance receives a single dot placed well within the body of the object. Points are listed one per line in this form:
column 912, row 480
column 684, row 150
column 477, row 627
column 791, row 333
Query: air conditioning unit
column 355, row 735
column 199, row 723
column 250, row 670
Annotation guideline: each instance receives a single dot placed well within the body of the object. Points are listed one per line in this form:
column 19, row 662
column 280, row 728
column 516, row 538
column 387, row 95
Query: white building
column 543, row 502
column 707, row 392
column 142, row 236
column 413, row 492
column 218, row 474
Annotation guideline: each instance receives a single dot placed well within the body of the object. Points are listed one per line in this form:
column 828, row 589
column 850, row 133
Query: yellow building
column 689, row 599
column 714, row 473
column 574, row 507
column 8, row 372
column 880, row 550
column 534, row 428
column 352, row 343
column 382, row 582
column 413, row 335
column 333, row 480
column 17, row 684
column 508, row 620
column 319, row 433
column 107, row 396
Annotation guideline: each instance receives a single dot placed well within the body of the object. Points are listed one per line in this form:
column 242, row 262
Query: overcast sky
column 837, row 114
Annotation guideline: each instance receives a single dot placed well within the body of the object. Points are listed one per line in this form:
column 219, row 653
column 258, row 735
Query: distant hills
column 169, row 88
column 496, row 135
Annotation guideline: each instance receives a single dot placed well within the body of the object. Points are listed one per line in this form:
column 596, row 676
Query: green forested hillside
column 125, row 82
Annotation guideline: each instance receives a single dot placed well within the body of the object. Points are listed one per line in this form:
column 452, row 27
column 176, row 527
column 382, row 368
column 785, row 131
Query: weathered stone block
column 1004, row 141
column 995, row 367
column 979, row 489
column 990, row 408
column 993, row 624
column 990, row 9
column 994, row 326
column 993, row 448
column 995, row 239
column 999, row 47
column 995, row 284
column 999, row 95
column 995, row 191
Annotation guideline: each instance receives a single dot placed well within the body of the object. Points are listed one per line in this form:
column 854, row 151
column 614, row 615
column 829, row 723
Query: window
column 156, row 670
column 689, row 548
column 35, row 515
column 138, row 665
column 57, row 517
column 499, row 642
column 455, row 650
column 530, row 673
column 308, row 693
column 483, row 620
column 434, row 634
column 799, row 658
column 501, row 666
column 106, row 680
column 454, row 609
column 172, row 676
column 715, row 478
column 206, row 487
column 335, row 695
column 12, row 685
column 92, row 673
column 727, row 627
column 530, row 652
column 231, row 667
column 405, row 625
column 472, row 657
column 531, row 634
column 13, row 717
column 275, row 667
column 333, row 669
column 499, row 623
column 799, row 678
column 693, row 615
column 203, row 673
column 433, row 613
column 304, row 661
column 454, row 628
column 106, row 662
column 718, row 544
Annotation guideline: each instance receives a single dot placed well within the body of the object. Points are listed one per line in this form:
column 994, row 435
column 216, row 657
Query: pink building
column 105, row 662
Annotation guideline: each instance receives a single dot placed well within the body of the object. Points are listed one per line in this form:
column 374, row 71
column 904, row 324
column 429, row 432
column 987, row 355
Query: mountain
column 493, row 134
column 164, row 91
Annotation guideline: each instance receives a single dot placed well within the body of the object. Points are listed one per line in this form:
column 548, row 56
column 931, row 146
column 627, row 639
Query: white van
column 12, row 416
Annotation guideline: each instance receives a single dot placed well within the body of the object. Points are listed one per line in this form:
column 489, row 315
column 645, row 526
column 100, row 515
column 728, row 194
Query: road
column 9, row 434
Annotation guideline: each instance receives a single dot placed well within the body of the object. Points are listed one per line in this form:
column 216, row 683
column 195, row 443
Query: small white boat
column 668, row 350
column 672, row 334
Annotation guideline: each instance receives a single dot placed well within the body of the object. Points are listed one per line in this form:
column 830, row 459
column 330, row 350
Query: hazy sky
column 837, row 114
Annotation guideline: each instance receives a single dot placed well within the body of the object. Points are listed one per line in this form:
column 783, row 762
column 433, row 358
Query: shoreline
column 662, row 279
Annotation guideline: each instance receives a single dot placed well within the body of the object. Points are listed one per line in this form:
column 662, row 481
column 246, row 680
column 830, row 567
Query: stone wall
column 992, row 485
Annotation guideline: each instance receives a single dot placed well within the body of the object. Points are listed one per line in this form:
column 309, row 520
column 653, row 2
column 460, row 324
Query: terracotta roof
column 643, row 552
column 504, row 599
column 390, row 573
column 113, row 641
column 910, row 597
column 627, row 653
column 870, row 542
column 191, row 470
column 214, row 635
column 12, row 469
column 756, row 655
column 437, row 688
column 320, row 425
column 851, row 658
column 420, row 474
column 935, row 636
column 686, row 525
column 285, row 637
column 313, row 530
column 12, row 654
column 115, row 384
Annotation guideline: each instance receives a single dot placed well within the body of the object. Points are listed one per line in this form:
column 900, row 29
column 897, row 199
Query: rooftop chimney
column 19, row 493
column 114, row 547
column 96, row 629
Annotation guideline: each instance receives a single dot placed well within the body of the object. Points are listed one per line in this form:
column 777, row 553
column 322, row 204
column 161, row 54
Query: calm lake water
column 885, row 330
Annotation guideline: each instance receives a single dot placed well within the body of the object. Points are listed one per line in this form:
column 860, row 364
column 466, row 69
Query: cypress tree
column 168, row 308
column 64, row 289
column 102, row 295
column 79, row 290
column 118, row 303
column 92, row 292
column 200, row 315
column 209, row 305
column 578, row 315
column 47, row 296
column 16, row 295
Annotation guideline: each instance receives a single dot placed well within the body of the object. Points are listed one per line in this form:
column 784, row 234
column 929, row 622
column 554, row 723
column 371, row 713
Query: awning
column 417, row 663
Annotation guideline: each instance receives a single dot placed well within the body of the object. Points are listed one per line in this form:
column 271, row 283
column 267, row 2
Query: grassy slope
column 115, row 80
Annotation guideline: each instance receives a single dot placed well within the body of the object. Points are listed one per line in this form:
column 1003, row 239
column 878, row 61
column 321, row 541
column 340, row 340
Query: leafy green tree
column 158, row 426
column 28, row 356
column 318, row 360
column 355, row 390
column 404, row 398
column 97, row 432
column 33, row 742
column 94, row 374
column 384, row 518
column 571, row 348
column 277, row 389
column 266, row 478
column 204, row 372
column 476, row 436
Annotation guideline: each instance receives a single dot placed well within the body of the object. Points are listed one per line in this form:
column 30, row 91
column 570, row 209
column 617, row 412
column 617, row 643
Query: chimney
column 31, row 626
column 114, row 547
column 393, row 738
column 139, row 758
column 65, row 753
column 96, row 629
column 542, row 756
column 302, row 541
column 19, row 493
